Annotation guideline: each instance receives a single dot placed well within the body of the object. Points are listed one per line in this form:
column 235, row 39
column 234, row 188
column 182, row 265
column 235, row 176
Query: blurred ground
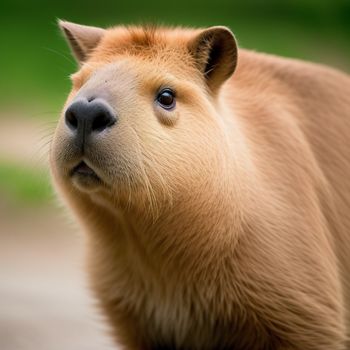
column 44, row 301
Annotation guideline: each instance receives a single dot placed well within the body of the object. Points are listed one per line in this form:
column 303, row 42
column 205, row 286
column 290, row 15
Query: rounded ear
column 215, row 54
column 81, row 39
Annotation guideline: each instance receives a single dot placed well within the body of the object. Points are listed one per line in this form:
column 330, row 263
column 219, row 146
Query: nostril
column 83, row 117
column 71, row 120
column 103, row 120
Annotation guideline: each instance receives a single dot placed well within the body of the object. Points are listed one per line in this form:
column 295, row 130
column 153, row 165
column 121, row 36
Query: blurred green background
column 35, row 61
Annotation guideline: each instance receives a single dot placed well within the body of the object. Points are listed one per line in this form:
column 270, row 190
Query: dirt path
column 25, row 141
column 44, row 301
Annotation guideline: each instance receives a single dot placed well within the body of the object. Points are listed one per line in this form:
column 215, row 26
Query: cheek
column 119, row 155
column 166, row 118
column 193, row 144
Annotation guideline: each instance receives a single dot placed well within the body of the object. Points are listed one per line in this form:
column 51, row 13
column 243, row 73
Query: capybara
column 213, row 184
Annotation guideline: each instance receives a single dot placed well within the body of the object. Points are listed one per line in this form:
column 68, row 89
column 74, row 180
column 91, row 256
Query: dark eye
column 166, row 99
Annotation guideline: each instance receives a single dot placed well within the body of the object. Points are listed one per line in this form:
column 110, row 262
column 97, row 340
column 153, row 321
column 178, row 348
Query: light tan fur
column 225, row 223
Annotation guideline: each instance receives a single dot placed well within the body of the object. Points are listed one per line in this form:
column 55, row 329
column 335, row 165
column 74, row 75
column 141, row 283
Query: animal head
column 141, row 124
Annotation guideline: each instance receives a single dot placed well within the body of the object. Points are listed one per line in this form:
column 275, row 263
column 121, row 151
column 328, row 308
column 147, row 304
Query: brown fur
column 225, row 223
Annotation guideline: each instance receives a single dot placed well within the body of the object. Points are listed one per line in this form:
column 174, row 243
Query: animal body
column 213, row 184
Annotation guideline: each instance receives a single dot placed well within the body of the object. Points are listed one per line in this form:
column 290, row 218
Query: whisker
column 150, row 191
column 67, row 58
column 45, row 113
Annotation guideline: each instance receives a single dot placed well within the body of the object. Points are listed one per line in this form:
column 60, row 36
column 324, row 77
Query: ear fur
column 81, row 39
column 215, row 53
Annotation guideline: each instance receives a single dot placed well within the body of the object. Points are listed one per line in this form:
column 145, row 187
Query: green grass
column 22, row 185
column 35, row 61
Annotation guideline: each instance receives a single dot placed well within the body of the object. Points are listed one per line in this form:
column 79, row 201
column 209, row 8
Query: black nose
column 87, row 116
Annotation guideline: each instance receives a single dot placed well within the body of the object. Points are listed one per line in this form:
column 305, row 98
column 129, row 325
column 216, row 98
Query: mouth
column 84, row 176
column 83, row 169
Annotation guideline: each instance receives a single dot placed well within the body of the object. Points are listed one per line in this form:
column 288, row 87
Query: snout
column 88, row 117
